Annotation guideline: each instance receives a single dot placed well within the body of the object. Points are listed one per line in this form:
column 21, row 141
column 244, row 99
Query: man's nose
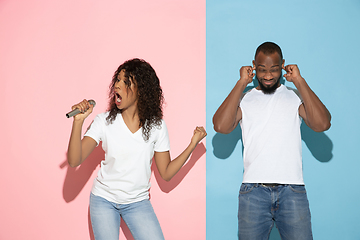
column 268, row 76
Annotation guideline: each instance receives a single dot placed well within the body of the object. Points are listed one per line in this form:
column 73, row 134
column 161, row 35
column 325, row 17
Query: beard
column 269, row 89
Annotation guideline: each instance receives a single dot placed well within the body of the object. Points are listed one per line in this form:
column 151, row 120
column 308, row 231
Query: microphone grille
column 92, row 102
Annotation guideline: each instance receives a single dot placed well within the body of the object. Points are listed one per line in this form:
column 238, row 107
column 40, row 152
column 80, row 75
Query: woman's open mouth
column 117, row 98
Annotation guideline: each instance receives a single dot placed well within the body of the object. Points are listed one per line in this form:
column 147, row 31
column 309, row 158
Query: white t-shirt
column 124, row 176
column 271, row 136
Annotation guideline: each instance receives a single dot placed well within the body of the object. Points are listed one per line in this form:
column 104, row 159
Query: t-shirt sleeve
column 95, row 130
column 297, row 93
column 300, row 100
column 162, row 143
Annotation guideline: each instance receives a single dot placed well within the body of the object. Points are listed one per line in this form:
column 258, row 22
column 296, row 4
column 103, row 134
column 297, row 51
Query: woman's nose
column 117, row 86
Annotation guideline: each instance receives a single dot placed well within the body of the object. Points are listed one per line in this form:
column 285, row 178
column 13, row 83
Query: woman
column 132, row 132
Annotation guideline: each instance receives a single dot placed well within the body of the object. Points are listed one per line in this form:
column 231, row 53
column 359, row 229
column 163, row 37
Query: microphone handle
column 77, row 111
column 72, row 113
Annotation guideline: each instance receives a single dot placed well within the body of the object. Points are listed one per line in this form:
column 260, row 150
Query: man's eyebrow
column 270, row 67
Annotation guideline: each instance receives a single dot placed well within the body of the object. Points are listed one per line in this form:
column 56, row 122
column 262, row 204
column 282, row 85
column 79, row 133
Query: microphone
column 77, row 111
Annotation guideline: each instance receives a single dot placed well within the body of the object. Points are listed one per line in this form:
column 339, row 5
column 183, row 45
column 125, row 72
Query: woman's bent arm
column 79, row 150
column 167, row 167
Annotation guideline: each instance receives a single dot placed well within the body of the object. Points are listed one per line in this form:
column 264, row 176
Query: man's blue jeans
column 139, row 217
column 286, row 205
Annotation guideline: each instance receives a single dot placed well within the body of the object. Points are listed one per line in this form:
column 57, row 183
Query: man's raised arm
column 229, row 113
column 313, row 111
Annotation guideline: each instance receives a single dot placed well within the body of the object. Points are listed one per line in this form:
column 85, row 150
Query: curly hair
column 149, row 94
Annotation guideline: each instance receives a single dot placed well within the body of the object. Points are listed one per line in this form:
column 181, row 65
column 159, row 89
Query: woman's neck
column 131, row 119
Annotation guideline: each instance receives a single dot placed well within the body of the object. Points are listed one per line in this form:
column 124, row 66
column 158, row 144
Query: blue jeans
column 286, row 205
column 139, row 217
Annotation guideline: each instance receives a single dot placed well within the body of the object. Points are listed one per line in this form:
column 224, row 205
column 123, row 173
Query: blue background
column 323, row 38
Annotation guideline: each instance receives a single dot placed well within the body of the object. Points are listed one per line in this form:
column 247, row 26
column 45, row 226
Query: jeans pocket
column 246, row 188
column 298, row 188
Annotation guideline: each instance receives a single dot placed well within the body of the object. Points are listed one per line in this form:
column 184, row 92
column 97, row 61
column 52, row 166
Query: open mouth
column 117, row 98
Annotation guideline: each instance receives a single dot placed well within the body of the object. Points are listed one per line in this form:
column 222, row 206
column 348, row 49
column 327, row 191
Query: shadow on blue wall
column 318, row 143
column 224, row 144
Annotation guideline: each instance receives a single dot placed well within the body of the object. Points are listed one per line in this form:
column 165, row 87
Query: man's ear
column 283, row 63
column 253, row 63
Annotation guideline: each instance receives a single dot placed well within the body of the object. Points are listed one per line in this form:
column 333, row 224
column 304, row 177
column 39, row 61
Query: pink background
column 54, row 54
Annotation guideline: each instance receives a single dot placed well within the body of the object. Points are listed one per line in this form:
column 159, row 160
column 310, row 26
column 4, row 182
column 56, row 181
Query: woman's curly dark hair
column 149, row 94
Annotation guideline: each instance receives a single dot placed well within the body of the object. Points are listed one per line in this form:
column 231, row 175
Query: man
column 270, row 115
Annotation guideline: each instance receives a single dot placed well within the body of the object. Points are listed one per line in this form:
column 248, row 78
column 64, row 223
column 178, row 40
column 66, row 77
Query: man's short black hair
column 269, row 48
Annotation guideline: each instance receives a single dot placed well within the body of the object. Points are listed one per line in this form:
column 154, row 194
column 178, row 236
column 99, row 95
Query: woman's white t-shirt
column 124, row 176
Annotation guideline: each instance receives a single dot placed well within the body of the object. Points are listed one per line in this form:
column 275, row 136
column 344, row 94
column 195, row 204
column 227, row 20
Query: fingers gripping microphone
column 77, row 111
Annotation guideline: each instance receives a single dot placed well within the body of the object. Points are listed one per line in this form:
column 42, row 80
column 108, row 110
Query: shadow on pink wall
column 176, row 180
column 76, row 178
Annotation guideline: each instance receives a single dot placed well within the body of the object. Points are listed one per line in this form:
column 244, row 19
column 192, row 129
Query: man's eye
column 262, row 70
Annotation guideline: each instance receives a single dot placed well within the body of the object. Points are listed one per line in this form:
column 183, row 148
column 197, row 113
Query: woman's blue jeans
column 139, row 217
column 286, row 205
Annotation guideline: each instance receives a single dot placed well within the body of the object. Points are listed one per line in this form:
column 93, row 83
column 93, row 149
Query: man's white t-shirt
column 271, row 136
column 124, row 176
